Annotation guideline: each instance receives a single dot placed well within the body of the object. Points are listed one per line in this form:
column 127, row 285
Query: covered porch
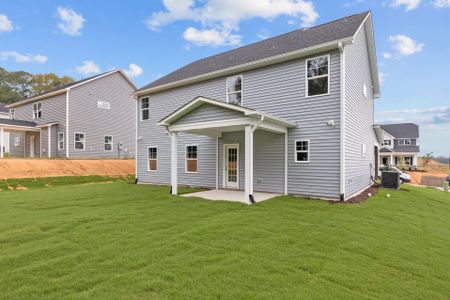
column 19, row 139
column 401, row 160
column 218, row 119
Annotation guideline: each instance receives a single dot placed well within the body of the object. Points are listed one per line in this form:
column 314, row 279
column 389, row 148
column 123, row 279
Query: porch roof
column 18, row 125
column 246, row 116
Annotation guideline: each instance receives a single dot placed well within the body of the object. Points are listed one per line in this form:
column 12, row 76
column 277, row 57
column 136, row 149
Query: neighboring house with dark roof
column 292, row 114
column 4, row 112
column 91, row 118
column 400, row 145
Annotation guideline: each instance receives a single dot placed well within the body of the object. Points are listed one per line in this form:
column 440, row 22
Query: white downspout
column 342, row 120
column 67, row 123
column 49, row 140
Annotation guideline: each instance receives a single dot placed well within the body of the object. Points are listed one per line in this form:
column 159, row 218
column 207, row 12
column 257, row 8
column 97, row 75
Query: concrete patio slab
column 230, row 195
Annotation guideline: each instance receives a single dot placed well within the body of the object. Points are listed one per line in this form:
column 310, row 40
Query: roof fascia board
column 248, row 66
column 34, row 99
column 19, row 127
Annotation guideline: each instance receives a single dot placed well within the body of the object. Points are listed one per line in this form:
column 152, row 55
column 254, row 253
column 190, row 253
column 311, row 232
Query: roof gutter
column 26, row 101
column 247, row 66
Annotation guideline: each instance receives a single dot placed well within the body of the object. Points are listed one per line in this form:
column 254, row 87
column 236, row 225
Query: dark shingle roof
column 3, row 108
column 285, row 43
column 17, row 123
column 385, row 150
column 405, row 130
column 407, row 149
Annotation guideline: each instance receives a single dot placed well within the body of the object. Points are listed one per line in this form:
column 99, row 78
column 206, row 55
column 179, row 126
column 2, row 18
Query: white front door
column 231, row 166
column 32, row 141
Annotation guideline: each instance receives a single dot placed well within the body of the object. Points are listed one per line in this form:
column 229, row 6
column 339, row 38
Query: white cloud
column 5, row 24
column 210, row 37
column 408, row 4
column 134, row 70
column 71, row 22
column 423, row 116
column 404, row 45
column 441, row 3
column 221, row 18
column 23, row 58
column 387, row 55
column 88, row 67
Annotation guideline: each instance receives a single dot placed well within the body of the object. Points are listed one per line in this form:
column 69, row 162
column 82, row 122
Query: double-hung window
column 386, row 142
column 145, row 109
column 152, row 158
column 12, row 114
column 302, row 151
column 317, row 76
column 191, row 159
column 37, row 110
column 404, row 142
column 108, row 143
column 60, row 140
column 234, row 90
column 80, row 141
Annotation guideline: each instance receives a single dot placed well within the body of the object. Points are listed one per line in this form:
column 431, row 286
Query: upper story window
column 37, row 110
column 12, row 114
column 302, row 151
column 145, row 109
column 234, row 90
column 317, row 76
column 387, row 143
column 404, row 142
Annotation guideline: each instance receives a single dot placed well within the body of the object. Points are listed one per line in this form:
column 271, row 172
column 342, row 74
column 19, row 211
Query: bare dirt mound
column 416, row 177
column 28, row 168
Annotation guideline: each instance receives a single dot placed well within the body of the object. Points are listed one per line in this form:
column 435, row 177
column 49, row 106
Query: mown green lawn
column 119, row 240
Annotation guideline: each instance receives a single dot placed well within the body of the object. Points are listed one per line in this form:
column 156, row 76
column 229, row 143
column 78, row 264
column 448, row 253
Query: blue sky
column 151, row 38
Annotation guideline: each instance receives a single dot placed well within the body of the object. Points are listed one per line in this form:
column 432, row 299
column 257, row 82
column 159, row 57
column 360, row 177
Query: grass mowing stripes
column 121, row 240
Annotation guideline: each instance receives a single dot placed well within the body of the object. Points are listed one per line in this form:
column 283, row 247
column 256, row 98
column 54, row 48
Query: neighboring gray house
column 400, row 145
column 291, row 114
column 90, row 118
column 4, row 112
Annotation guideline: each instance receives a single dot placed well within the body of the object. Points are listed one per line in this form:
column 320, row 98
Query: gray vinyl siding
column 16, row 151
column 53, row 110
column 208, row 112
column 277, row 90
column 118, row 121
column 44, row 142
column 359, row 117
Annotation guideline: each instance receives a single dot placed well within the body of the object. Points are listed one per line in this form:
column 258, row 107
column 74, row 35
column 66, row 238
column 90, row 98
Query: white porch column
column 1, row 143
column 49, row 146
column 286, row 163
column 174, row 162
column 392, row 162
column 414, row 160
column 248, row 164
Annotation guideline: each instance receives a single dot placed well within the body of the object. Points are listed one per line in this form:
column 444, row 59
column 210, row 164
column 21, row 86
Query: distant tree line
column 440, row 159
column 17, row 85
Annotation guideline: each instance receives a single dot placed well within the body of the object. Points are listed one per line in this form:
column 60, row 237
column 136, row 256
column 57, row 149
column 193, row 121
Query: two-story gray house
column 84, row 119
column 400, row 145
column 293, row 114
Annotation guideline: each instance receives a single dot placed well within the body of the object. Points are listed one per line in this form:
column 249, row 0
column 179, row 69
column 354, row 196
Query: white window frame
column 61, row 141
column 148, row 159
column 12, row 114
column 112, row 142
column 363, row 150
column 17, row 141
column 404, row 142
column 365, row 91
column 84, row 141
column 186, row 159
column 302, row 151
column 320, row 76
column 141, row 110
column 37, row 110
column 242, row 88
column 103, row 104
column 388, row 144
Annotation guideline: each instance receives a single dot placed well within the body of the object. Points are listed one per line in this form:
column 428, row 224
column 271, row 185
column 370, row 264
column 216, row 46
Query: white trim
column 318, row 76
column 32, row 145
column 225, row 161
column 141, row 110
column 2, row 131
column 67, row 124
column 112, row 142
column 58, row 141
column 302, row 151
column 18, row 127
column 217, row 163
column 174, row 162
column 136, row 143
column 251, row 65
column 148, row 159
column 37, row 112
column 186, row 159
column 49, row 136
column 286, row 162
column 248, row 169
column 84, row 141
column 342, row 121
column 241, row 91
column 12, row 114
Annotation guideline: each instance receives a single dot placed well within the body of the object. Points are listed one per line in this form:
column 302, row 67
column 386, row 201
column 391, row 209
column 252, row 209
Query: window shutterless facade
column 234, row 89
column 318, row 76
column 152, row 154
column 302, row 151
column 191, row 159
column 79, row 141
column 145, row 109
column 37, row 110
column 108, row 143
column 60, row 140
